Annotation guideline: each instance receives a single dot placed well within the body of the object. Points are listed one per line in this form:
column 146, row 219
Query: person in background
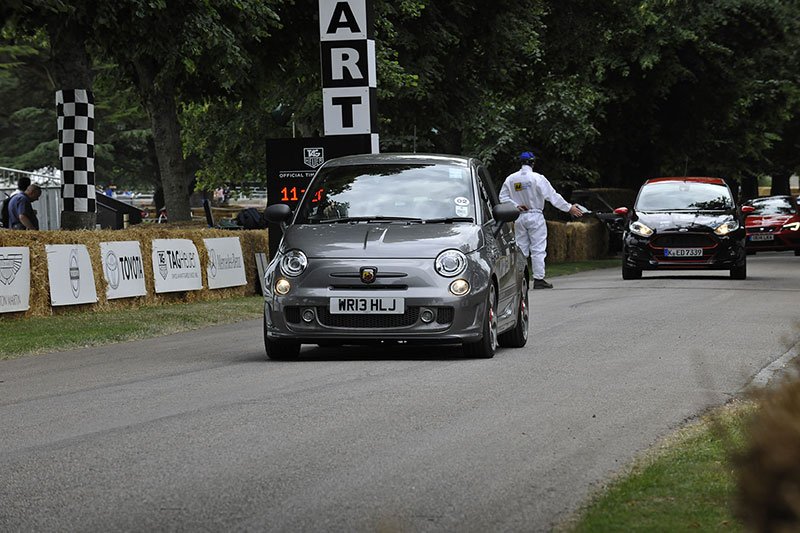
column 529, row 190
column 22, row 184
column 21, row 214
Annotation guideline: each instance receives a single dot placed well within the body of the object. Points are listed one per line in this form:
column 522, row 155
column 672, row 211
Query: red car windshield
column 772, row 206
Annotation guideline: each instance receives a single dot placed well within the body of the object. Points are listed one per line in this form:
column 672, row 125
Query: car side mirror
column 503, row 213
column 622, row 211
column 278, row 214
column 748, row 209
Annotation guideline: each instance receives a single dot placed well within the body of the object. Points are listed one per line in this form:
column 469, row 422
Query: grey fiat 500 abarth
column 396, row 247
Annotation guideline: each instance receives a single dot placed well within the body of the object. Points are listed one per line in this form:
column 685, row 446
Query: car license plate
column 683, row 252
column 762, row 237
column 369, row 306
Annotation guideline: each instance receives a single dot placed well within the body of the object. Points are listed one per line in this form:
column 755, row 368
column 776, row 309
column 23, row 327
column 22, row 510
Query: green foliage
column 605, row 93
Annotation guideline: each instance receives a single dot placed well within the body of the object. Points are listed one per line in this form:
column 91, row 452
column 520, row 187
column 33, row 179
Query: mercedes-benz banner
column 225, row 263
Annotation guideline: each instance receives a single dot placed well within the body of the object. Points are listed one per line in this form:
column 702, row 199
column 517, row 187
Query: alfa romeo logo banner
column 123, row 269
column 176, row 265
column 70, row 273
column 225, row 263
column 15, row 279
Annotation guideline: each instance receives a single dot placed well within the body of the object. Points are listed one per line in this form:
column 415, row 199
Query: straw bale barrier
column 571, row 241
column 251, row 240
column 576, row 241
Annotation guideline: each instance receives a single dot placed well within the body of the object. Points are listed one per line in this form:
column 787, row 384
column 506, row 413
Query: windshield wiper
column 447, row 220
column 369, row 219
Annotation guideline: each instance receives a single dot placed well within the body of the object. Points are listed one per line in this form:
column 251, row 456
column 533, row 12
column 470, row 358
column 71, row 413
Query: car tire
column 797, row 252
column 485, row 348
column 739, row 271
column 630, row 272
column 280, row 350
column 750, row 252
column 518, row 335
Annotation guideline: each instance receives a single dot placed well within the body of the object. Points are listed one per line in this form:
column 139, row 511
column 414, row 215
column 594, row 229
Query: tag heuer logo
column 368, row 274
column 313, row 157
column 162, row 263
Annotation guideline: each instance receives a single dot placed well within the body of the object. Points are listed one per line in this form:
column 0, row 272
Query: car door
column 506, row 260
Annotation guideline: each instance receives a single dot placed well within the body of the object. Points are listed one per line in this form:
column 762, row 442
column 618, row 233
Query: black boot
column 541, row 284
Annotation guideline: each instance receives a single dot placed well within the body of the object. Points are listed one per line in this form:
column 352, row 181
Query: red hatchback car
column 773, row 226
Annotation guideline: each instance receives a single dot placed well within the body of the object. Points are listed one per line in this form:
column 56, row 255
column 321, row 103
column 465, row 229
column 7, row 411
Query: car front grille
column 362, row 321
column 444, row 315
column 683, row 240
column 764, row 229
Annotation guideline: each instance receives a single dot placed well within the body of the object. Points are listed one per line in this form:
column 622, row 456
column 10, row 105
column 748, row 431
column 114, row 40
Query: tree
column 177, row 51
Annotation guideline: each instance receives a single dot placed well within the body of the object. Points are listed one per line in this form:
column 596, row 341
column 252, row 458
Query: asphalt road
column 197, row 432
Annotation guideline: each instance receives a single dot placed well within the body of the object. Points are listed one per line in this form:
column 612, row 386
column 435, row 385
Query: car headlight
column 640, row 229
column 293, row 263
column 450, row 263
column 794, row 226
column 727, row 227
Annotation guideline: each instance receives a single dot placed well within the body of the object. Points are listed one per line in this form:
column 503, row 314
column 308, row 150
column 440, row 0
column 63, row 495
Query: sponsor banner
column 71, row 276
column 225, row 263
column 176, row 265
column 123, row 269
column 15, row 279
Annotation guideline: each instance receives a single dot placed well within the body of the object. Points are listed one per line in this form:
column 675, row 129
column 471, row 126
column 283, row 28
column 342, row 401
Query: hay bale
column 252, row 241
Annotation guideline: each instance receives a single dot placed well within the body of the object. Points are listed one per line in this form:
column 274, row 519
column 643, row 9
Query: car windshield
column 772, row 206
column 684, row 196
column 385, row 192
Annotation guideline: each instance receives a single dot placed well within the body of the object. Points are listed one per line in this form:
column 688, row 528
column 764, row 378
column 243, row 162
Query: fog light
column 427, row 315
column 459, row 287
column 282, row 286
column 308, row 315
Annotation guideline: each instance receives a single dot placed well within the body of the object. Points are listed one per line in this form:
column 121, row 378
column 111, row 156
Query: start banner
column 15, row 279
column 123, row 269
column 69, row 270
column 225, row 263
column 176, row 265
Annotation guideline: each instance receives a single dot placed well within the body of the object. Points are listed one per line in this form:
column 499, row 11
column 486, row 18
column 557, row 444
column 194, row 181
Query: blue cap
column 526, row 156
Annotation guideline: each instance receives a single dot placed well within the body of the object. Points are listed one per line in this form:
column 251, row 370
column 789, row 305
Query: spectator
column 21, row 214
column 22, row 184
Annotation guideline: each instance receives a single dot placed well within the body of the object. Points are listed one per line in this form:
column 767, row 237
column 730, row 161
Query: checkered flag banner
column 76, row 149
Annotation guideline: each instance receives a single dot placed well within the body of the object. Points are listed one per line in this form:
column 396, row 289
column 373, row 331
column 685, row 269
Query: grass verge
column 686, row 483
column 82, row 329
column 85, row 328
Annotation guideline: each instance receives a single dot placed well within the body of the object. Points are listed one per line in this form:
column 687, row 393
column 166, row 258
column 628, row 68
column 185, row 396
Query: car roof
column 716, row 181
column 399, row 158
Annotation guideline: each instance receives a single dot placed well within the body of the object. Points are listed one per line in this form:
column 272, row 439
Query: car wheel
column 797, row 252
column 518, row 336
column 280, row 350
column 630, row 272
column 484, row 348
column 739, row 271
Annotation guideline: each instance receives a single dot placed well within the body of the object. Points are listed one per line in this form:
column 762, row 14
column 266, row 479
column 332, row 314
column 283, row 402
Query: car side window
column 488, row 196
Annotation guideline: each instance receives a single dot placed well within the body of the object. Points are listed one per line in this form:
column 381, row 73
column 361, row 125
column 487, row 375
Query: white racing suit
column 528, row 188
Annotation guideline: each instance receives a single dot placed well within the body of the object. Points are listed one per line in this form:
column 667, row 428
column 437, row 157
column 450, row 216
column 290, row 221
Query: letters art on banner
column 69, row 270
column 15, row 279
column 176, row 265
column 225, row 263
column 123, row 269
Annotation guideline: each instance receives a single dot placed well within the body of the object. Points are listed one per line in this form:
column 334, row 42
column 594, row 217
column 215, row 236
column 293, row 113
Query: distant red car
column 773, row 226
